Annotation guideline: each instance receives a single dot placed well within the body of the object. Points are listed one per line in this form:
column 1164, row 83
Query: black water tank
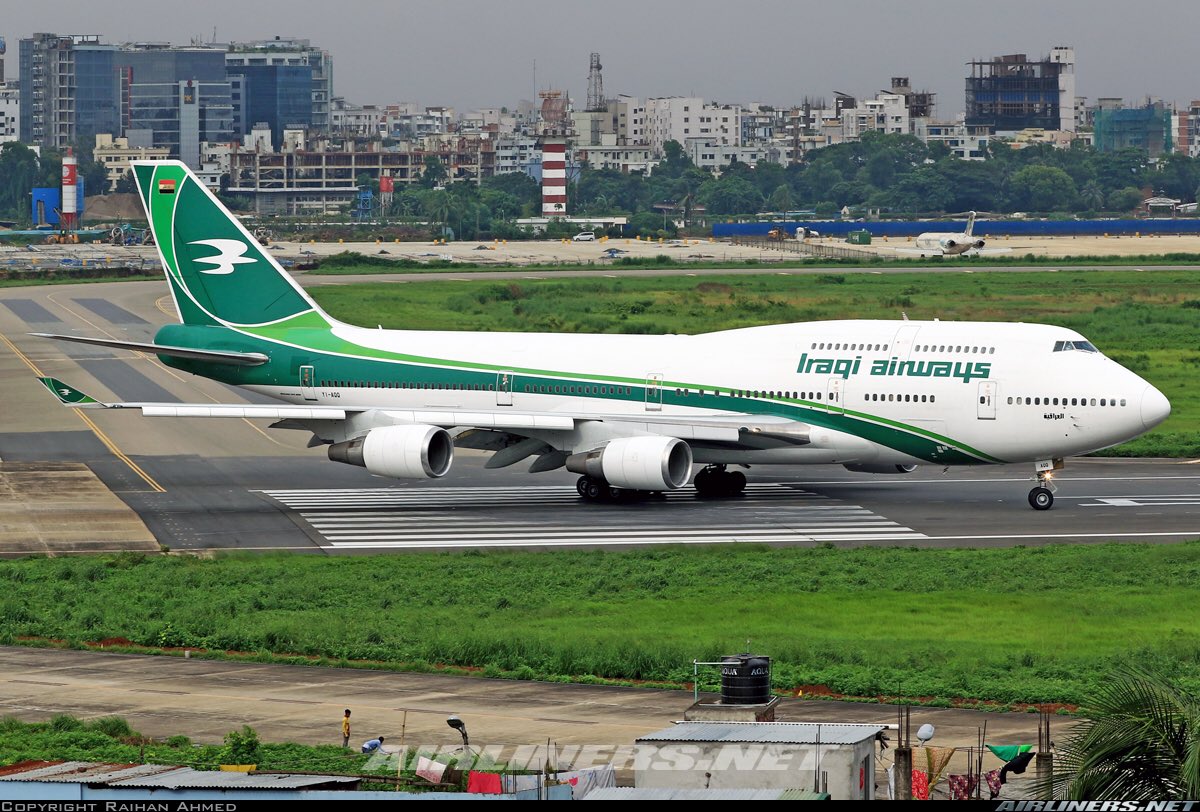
column 745, row 679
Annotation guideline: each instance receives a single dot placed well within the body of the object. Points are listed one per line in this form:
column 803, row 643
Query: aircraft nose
column 1155, row 407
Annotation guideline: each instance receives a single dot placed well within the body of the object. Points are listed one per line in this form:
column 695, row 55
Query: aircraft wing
column 737, row 429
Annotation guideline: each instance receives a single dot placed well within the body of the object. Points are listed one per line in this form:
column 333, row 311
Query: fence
column 983, row 228
column 807, row 249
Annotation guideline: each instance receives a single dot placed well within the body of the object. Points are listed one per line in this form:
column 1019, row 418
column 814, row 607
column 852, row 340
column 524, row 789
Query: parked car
column 585, row 236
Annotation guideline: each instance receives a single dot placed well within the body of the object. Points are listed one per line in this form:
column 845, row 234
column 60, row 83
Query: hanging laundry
column 993, row 782
column 432, row 771
column 962, row 787
column 938, row 758
column 1016, row 766
column 920, row 786
column 1007, row 752
column 484, row 783
column 584, row 781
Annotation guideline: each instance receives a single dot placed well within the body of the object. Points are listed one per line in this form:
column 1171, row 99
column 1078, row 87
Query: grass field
column 1149, row 321
column 352, row 262
column 1001, row 626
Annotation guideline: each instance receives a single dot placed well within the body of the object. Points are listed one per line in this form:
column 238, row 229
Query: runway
column 231, row 484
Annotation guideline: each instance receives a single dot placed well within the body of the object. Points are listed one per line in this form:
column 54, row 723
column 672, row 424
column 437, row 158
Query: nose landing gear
column 1042, row 497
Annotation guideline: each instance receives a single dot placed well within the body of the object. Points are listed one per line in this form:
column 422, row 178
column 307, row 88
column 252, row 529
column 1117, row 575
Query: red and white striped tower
column 554, row 177
column 70, row 201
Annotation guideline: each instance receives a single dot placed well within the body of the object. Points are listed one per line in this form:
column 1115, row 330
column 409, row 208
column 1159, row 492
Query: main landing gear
column 714, row 480
column 597, row 490
column 1042, row 497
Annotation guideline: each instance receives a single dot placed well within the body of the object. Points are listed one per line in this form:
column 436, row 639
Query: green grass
column 110, row 739
column 1000, row 625
column 1148, row 320
column 353, row 262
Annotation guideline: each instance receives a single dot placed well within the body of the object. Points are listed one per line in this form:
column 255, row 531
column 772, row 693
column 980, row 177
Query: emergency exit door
column 987, row 400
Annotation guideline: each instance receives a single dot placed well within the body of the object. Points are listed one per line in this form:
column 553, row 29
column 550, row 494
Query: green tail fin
column 67, row 394
column 219, row 274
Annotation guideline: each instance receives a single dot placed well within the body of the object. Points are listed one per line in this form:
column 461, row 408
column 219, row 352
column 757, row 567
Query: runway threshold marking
column 104, row 438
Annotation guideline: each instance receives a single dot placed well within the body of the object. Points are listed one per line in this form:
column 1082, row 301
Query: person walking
column 346, row 730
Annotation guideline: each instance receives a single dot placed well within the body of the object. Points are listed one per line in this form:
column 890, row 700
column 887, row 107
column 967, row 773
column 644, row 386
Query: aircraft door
column 504, row 387
column 987, row 400
column 308, row 382
column 903, row 341
column 835, row 396
column 654, row 392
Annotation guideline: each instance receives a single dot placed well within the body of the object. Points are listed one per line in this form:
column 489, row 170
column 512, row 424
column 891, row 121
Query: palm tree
column 1092, row 195
column 1140, row 741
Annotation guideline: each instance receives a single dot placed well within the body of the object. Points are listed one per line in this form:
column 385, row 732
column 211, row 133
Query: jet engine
column 639, row 463
column 881, row 469
column 400, row 452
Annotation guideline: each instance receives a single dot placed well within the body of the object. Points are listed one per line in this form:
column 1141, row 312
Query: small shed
column 834, row 758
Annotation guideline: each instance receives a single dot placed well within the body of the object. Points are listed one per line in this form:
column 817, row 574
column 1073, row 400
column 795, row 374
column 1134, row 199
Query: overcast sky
column 475, row 54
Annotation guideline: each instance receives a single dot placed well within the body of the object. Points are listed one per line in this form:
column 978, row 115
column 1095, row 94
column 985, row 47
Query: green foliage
column 65, row 737
column 859, row 621
column 1139, row 741
column 241, row 746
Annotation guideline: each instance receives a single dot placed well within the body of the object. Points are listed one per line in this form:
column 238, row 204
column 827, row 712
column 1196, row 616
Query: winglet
column 67, row 395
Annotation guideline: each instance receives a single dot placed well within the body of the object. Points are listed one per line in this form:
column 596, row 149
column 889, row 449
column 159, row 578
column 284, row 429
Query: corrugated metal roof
column 764, row 733
column 188, row 778
column 676, row 794
column 168, row 776
column 84, row 772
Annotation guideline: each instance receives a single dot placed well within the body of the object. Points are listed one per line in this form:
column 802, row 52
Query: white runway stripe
column 555, row 516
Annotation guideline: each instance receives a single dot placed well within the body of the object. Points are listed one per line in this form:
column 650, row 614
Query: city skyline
column 478, row 58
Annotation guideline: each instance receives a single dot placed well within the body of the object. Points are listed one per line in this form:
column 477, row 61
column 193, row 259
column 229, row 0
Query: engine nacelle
column 639, row 463
column 978, row 244
column 400, row 452
column 881, row 469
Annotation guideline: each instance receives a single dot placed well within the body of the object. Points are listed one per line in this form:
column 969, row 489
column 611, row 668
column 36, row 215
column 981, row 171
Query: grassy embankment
column 110, row 739
column 994, row 625
column 352, row 262
column 1149, row 321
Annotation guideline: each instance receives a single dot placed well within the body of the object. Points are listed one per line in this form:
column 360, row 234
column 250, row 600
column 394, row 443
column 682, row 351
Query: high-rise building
column 279, row 95
column 69, row 89
column 291, row 53
column 10, row 112
column 1011, row 93
column 175, row 98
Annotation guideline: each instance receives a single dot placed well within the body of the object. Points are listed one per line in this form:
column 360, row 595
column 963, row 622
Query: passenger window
column 1102, row 402
column 1122, row 401
column 1093, row 401
column 1010, row 401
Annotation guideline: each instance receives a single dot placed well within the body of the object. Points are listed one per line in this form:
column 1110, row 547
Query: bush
column 241, row 747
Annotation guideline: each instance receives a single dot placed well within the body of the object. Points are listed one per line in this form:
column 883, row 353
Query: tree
column 730, row 194
column 434, row 174
column 1092, row 196
column 126, row 184
column 18, row 175
column 1139, row 741
column 781, row 198
column 1125, row 200
column 1042, row 188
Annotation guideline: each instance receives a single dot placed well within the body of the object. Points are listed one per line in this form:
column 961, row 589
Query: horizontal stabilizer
column 241, row 359
column 67, row 394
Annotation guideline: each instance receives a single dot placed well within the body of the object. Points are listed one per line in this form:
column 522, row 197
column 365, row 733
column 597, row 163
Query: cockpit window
column 1078, row 344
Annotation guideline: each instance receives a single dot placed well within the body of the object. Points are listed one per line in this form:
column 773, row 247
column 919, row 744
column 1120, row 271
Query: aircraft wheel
column 737, row 482
column 581, row 485
column 596, row 490
column 1041, row 498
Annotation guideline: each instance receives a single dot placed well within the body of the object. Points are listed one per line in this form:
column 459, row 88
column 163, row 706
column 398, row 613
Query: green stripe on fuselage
column 290, row 349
